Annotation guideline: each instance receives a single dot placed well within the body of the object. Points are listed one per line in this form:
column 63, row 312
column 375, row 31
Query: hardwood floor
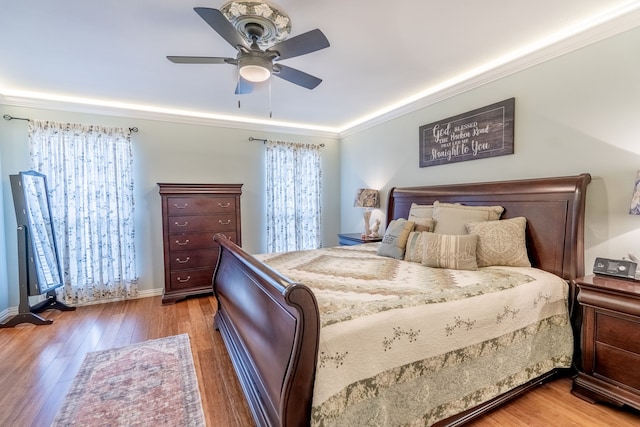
column 38, row 364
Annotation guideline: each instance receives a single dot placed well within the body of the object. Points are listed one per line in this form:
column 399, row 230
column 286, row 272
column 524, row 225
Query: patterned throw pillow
column 449, row 251
column 451, row 218
column 395, row 238
column 422, row 224
column 415, row 245
column 501, row 242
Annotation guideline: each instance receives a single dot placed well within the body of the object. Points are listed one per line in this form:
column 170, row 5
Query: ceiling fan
column 254, row 64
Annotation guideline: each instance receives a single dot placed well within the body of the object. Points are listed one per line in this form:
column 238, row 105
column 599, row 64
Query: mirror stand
column 26, row 313
column 51, row 303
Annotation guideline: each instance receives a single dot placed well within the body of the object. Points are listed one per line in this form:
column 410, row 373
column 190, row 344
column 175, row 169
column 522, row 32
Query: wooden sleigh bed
column 271, row 325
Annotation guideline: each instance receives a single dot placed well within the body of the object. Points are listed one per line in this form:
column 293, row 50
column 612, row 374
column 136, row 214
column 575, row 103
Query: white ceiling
column 383, row 55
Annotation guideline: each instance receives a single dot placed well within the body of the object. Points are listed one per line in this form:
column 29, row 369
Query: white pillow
column 421, row 211
column 451, row 218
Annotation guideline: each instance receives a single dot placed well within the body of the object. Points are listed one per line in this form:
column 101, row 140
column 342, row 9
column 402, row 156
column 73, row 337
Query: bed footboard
column 270, row 327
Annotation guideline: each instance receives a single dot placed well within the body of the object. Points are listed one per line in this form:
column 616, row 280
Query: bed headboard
column 554, row 208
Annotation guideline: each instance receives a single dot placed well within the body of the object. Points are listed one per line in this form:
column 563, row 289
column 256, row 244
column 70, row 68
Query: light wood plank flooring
column 38, row 364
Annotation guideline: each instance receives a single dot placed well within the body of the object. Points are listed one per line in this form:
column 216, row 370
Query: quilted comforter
column 405, row 344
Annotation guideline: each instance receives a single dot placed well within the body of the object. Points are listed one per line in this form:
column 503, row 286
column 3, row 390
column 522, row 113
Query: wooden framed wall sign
column 478, row 134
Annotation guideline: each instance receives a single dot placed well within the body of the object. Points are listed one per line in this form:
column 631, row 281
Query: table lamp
column 367, row 198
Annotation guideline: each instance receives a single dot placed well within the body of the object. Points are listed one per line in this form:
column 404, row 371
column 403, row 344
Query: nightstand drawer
column 617, row 365
column 621, row 333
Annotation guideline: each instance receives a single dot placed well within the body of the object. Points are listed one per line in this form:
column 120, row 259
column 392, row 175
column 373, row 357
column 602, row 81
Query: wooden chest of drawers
column 191, row 215
column 610, row 341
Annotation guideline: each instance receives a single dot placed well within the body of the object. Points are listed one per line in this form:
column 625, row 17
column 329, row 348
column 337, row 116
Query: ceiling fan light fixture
column 255, row 69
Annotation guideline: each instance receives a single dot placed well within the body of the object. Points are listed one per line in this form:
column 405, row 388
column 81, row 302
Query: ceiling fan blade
column 300, row 45
column 296, row 76
column 199, row 60
column 222, row 26
column 244, row 87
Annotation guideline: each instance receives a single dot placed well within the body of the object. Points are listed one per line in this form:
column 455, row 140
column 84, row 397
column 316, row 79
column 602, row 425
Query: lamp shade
column 366, row 198
column 635, row 200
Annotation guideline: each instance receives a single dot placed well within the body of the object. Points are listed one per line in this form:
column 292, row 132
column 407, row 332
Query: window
column 294, row 188
column 89, row 172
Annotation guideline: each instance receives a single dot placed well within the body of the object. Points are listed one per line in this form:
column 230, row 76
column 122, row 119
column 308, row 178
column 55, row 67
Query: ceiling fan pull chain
column 270, row 105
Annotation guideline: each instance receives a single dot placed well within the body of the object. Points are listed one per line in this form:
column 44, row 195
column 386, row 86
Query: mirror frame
column 44, row 273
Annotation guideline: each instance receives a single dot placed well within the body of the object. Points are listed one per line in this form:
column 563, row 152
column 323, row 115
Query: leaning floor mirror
column 38, row 261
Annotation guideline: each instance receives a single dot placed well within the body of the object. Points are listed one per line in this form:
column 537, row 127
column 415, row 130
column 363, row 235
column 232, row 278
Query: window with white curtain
column 294, row 189
column 89, row 172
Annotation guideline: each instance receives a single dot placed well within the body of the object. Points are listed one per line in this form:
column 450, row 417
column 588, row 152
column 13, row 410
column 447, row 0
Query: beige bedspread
column 404, row 344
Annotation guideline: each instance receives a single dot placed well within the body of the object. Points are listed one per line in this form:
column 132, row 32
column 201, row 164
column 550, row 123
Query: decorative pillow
column 449, row 251
column 422, row 224
column 451, row 218
column 415, row 245
column 395, row 238
column 501, row 242
column 421, row 211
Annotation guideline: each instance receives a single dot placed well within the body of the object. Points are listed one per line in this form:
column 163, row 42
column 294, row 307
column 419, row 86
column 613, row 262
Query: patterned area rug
column 149, row 383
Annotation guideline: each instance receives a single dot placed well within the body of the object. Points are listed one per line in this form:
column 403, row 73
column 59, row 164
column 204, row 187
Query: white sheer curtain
column 294, row 188
column 89, row 174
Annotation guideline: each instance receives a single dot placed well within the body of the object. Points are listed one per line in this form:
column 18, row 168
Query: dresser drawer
column 178, row 206
column 180, row 260
column 190, row 241
column 184, row 279
column 187, row 224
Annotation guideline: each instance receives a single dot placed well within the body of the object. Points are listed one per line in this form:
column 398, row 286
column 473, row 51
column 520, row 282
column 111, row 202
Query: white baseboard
column 12, row 311
column 9, row 312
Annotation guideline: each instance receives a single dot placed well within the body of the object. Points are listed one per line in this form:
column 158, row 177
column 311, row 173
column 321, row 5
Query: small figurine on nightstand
column 374, row 230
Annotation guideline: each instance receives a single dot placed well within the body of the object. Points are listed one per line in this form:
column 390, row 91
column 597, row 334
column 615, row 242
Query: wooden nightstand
column 610, row 341
column 351, row 239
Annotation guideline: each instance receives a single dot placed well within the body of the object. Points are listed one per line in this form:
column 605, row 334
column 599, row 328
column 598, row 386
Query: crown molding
column 142, row 112
column 616, row 25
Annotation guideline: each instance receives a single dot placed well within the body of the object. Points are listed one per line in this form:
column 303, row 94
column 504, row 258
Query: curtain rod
column 264, row 140
column 8, row 117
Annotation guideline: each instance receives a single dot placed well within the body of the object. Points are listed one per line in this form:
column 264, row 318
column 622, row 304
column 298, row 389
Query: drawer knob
column 186, row 242
column 183, row 280
column 182, row 261
column 181, row 225
column 177, row 206
column 227, row 222
column 226, row 205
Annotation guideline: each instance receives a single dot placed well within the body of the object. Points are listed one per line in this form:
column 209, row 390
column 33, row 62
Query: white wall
column 164, row 152
column 4, row 278
column 577, row 113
